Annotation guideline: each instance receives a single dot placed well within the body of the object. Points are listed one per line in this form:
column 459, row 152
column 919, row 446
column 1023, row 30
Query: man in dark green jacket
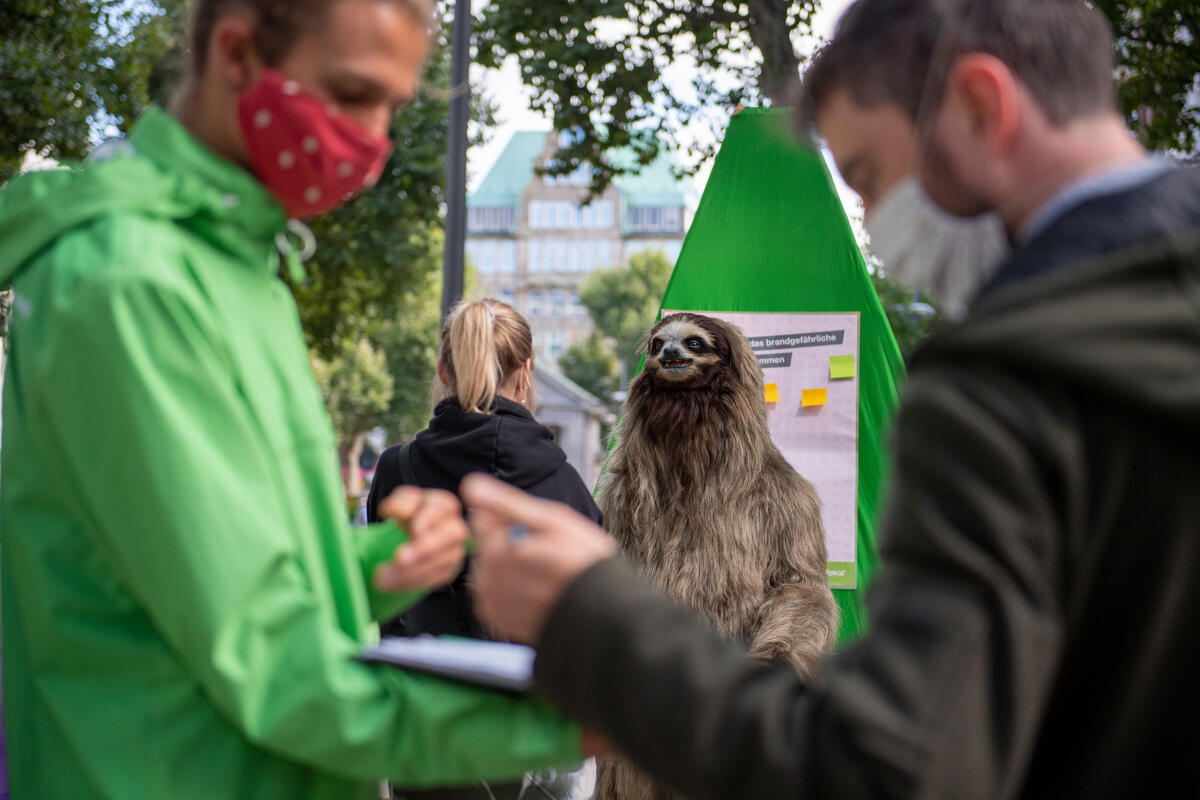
column 183, row 599
column 1036, row 623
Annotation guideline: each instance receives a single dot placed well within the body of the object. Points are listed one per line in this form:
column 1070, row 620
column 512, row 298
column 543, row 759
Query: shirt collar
column 1106, row 182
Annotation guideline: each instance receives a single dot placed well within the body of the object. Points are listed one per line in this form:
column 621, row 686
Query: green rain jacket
column 182, row 595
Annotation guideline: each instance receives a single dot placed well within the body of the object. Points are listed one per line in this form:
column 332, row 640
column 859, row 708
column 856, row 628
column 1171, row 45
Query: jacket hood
column 508, row 443
column 160, row 171
column 1124, row 326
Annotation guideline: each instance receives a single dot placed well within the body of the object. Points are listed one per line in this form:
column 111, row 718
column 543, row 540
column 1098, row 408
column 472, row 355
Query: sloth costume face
column 698, row 369
column 681, row 350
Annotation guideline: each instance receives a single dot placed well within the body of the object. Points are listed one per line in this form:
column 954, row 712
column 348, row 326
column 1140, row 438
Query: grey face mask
column 929, row 249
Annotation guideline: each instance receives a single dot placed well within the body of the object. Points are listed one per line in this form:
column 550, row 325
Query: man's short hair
column 900, row 51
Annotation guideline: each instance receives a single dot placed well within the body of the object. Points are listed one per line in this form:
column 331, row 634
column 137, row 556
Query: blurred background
column 593, row 125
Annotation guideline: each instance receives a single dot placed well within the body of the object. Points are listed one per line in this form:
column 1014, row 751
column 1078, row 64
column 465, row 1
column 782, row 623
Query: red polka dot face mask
column 309, row 155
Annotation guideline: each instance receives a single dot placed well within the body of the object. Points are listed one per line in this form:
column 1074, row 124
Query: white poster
column 810, row 371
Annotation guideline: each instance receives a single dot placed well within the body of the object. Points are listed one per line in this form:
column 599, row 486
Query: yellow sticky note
column 841, row 367
column 813, row 397
column 771, row 391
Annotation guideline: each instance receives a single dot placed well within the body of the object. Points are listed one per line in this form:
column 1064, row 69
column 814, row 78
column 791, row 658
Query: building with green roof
column 533, row 244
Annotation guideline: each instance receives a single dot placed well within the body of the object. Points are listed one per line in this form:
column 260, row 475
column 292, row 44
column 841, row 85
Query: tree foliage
column 597, row 67
column 592, row 364
column 1158, row 53
column 356, row 385
column 410, row 341
column 623, row 303
column 912, row 315
column 50, row 55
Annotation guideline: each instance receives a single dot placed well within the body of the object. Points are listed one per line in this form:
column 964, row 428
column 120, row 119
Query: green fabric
column 182, row 596
column 770, row 235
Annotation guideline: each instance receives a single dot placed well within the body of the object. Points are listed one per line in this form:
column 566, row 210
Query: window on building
column 558, row 303
column 588, row 216
column 604, row 214
column 506, row 260
column 483, row 254
column 582, row 176
column 655, row 218
column 505, row 296
column 554, row 345
column 535, row 303
column 564, row 214
column 534, row 251
column 672, row 218
column 575, row 308
column 604, row 256
column 487, row 258
column 490, row 219
column 560, row 256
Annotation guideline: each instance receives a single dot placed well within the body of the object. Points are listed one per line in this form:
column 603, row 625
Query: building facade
column 533, row 240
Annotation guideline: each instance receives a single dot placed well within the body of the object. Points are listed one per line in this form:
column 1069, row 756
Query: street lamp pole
column 456, row 159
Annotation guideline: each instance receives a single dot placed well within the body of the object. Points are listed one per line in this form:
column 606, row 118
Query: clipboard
column 496, row 665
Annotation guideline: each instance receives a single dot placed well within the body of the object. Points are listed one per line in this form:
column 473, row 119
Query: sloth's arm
column 797, row 624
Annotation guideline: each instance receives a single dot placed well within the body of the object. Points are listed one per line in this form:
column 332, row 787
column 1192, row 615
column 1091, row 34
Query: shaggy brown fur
column 698, row 495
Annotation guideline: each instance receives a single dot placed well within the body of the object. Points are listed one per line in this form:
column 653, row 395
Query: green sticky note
column 841, row 367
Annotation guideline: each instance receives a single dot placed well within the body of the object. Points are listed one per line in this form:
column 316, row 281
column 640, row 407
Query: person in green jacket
column 183, row 599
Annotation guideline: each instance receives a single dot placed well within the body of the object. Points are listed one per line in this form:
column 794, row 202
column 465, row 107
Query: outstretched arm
column 797, row 622
column 965, row 612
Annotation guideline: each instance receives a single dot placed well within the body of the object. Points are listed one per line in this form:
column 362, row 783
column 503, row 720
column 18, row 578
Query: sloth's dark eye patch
column 656, row 346
column 695, row 344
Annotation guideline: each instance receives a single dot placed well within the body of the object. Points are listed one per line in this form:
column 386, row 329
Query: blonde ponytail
column 476, row 367
column 482, row 343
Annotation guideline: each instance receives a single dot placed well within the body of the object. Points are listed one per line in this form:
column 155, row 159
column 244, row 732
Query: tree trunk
column 780, row 77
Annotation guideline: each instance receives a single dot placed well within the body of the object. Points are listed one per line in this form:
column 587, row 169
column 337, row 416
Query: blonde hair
column 483, row 343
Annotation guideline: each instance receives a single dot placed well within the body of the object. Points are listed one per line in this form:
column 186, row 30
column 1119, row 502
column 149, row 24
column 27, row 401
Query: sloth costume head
column 699, row 370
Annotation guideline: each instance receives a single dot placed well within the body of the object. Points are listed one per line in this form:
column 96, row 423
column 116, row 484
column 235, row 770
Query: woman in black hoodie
column 481, row 424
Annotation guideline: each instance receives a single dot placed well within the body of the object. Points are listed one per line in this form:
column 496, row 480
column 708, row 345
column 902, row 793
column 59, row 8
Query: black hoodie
column 1035, row 626
column 507, row 443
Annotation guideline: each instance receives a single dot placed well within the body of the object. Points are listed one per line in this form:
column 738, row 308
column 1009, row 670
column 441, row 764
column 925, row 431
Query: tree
column 623, row 303
column 1158, row 57
column 357, row 388
column 592, row 364
column 409, row 341
column 596, row 68
column 54, row 74
column 912, row 315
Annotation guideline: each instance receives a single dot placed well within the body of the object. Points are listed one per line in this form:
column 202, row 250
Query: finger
column 488, row 494
column 490, row 531
column 428, row 573
column 437, row 507
column 447, row 541
column 402, row 503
